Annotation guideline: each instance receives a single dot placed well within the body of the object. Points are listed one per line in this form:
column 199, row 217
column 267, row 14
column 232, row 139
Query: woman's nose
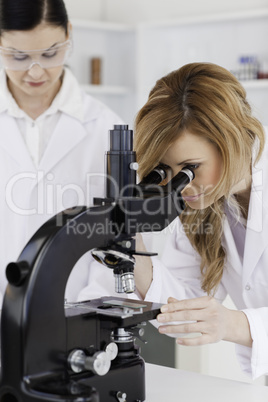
column 35, row 70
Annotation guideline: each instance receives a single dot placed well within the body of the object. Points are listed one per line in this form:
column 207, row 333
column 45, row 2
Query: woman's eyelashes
column 192, row 166
column 20, row 56
column 50, row 53
column 164, row 166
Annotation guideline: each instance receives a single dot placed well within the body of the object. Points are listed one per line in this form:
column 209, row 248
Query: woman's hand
column 206, row 317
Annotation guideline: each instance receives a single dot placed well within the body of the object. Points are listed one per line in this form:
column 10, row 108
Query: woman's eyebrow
column 189, row 161
column 55, row 44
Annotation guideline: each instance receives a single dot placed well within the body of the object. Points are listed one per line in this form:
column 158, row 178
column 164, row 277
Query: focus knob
column 112, row 350
column 99, row 363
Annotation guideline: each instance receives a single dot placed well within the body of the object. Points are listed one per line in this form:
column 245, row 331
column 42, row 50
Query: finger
column 184, row 315
column 188, row 304
column 172, row 300
column 194, row 341
column 185, row 328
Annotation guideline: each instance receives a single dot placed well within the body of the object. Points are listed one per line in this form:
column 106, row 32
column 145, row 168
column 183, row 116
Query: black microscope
column 85, row 351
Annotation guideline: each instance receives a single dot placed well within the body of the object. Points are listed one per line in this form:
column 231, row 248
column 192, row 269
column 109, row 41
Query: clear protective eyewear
column 23, row 60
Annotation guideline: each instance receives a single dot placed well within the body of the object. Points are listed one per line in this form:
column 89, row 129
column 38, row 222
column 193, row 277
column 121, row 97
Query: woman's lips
column 36, row 84
column 191, row 198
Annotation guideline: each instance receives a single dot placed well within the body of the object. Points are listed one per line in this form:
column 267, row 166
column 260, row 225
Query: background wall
column 86, row 9
column 144, row 10
column 133, row 11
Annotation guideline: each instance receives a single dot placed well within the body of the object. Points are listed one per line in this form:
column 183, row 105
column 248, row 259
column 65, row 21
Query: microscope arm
column 33, row 315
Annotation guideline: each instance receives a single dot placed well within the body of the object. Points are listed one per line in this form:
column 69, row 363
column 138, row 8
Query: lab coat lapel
column 67, row 134
column 232, row 255
column 13, row 143
column 257, row 225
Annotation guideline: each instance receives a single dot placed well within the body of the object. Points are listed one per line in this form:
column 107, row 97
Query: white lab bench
column 164, row 384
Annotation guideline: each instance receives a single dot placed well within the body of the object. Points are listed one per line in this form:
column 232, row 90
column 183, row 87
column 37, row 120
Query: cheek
column 209, row 177
column 55, row 73
column 215, row 176
column 15, row 76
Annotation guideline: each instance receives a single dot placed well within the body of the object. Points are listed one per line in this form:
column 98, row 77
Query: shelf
column 255, row 84
column 203, row 19
column 106, row 90
column 102, row 25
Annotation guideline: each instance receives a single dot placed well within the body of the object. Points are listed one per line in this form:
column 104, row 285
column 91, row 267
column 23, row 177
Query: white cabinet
column 221, row 39
column 114, row 44
column 134, row 57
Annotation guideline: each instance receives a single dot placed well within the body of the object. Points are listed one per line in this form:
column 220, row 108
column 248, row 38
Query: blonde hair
column 207, row 100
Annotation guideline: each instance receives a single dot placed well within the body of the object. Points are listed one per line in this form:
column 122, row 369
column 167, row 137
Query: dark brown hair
column 23, row 15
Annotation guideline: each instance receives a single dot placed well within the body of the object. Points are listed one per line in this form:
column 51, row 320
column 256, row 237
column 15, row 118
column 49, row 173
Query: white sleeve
column 178, row 274
column 254, row 361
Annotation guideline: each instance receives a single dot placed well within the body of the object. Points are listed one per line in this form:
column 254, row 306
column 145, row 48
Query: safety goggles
column 20, row 60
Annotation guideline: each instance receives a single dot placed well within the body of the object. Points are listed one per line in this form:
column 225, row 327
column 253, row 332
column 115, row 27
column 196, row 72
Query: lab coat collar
column 7, row 102
column 67, row 134
column 257, row 224
column 12, row 141
column 256, row 239
column 69, row 99
column 232, row 256
column 72, row 101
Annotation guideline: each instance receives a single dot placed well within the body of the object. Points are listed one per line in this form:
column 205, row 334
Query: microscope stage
column 121, row 311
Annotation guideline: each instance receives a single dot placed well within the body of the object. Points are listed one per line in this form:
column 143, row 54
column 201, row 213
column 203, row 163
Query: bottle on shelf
column 247, row 69
column 95, row 64
column 263, row 69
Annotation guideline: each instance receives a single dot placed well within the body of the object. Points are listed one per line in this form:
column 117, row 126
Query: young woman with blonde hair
column 198, row 116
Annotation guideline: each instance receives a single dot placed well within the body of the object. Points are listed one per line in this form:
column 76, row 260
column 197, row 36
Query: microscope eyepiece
column 160, row 173
column 184, row 177
column 156, row 176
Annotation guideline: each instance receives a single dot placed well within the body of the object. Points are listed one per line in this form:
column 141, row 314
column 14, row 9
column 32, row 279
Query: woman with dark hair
column 198, row 116
column 53, row 135
column 27, row 15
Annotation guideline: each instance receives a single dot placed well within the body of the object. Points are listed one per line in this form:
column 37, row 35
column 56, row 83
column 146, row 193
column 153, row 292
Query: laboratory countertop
column 164, row 384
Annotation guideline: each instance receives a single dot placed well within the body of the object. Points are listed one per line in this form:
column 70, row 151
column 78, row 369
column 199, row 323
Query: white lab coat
column 178, row 274
column 70, row 173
